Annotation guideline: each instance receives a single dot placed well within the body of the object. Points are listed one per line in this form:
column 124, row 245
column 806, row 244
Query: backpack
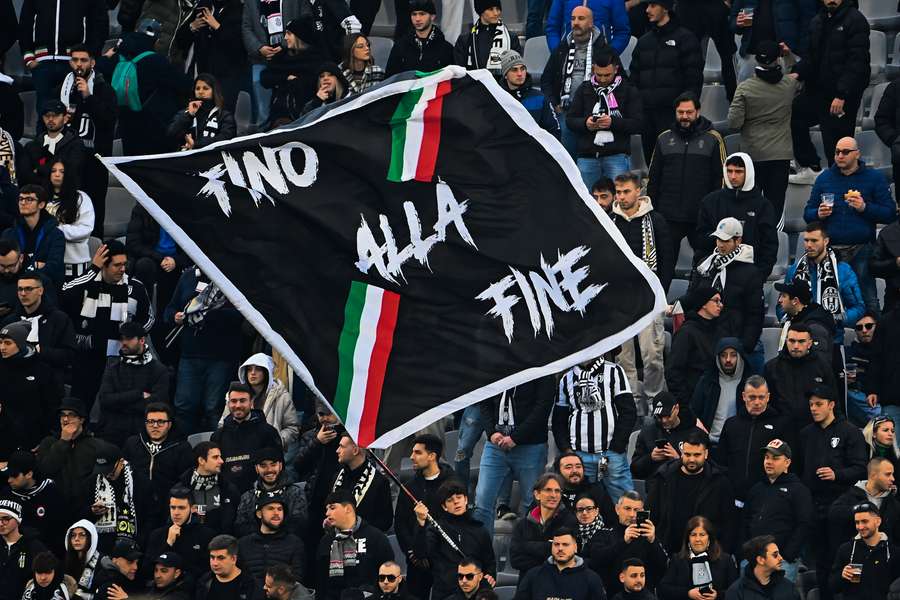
column 125, row 81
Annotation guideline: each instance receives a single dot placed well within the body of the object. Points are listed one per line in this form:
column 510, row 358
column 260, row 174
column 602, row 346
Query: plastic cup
column 828, row 199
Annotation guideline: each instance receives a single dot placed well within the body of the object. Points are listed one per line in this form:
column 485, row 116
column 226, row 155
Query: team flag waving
column 410, row 251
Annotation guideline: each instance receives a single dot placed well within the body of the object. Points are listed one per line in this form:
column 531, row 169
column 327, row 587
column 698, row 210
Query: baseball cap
column 778, row 448
column 53, row 105
column 663, row 403
column 107, row 457
column 728, row 228
column 73, row 404
column 169, row 559
column 767, row 52
column 130, row 329
column 269, row 453
column 795, row 289
column 820, row 391
column 269, row 498
column 127, row 549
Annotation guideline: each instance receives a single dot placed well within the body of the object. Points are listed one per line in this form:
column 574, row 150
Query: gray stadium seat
column 712, row 70
column 118, row 212
column 770, row 337
column 732, row 143
column 781, row 262
column 505, row 592
column 399, row 555
column 196, row 438
column 536, row 54
column 771, row 299
column 625, row 57
column 381, row 50
column 638, row 164
column 640, row 486
column 243, row 113
column 677, row 289
column 877, row 53
column 632, row 444
column 881, row 14
column 514, row 14
column 685, row 259
column 28, row 101
column 893, row 68
column 880, row 285
column 93, row 244
column 794, row 203
column 384, row 21
column 714, row 106
column 872, row 150
column 868, row 121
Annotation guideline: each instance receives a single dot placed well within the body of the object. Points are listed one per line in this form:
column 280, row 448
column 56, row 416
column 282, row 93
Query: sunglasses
column 844, row 151
column 466, row 576
column 866, row 326
column 390, row 578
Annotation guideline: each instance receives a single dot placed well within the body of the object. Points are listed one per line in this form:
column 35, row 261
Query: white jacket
column 278, row 407
column 77, row 233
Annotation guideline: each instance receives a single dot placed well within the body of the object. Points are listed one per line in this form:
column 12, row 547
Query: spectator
column 887, row 126
column 158, row 455
column 21, row 548
column 69, row 457
column 647, row 235
column 785, row 22
column 11, row 261
column 224, row 578
column 47, row 31
column 529, row 547
column 424, row 48
column 515, row 425
column 168, row 580
column 693, row 345
column 660, row 440
column 667, row 67
column 370, row 489
column 832, row 282
column 835, row 73
column 391, row 582
column 549, row 579
column 97, row 325
column 865, row 566
column 610, row 18
column 282, row 584
column 272, row 480
column 117, row 575
column 42, row 243
column 884, row 385
column 113, row 500
column 352, row 550
column 859, row 358
column 761, row 112
column 214, row 497
column 625, row 539
column 82, row 560
column 851, row 198
column 74, row 213
column 43, row 506
column 633, row 577
column 717, row 393
column 517, row 81
column 604, row 192
column 242, row 431
column 755, row 424
column 48, row 580
column 780, row 506
column 358, row 65
column 740, row 199
column 210, row 348
column 429, row 474
column 271, row 543
column 184, row 534
column 731, row 270
column 482, row 46
column 12, row 120
column 885, row 263
column 569, row 467
column 205, row 120
column 57, row 143
column 687, row 161
column 129, row 385
column 471, row 580
column 569, row 65
column 701, row 564
column 880, row 436
column 709, row 21
column 317, row 464
column 291, row 73
column 92, row 108
column 590, row 524
column 764, row 576
column 795, row 301
column 331, row 86
column 794, row 371
column 594, row 415
column 604, row 114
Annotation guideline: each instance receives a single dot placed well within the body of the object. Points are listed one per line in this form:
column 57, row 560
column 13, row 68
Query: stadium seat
column 893, row 68
column 868, row 121
column 677, row 289
column 877, row 54
column 640, row 486
column 880, row 285
column 30, row 113
column 816, row 137
column 514, row 15
column 385, row 21
column 118, row 212
column 712, row 70
column 881, row 14
column 632, row 444
column 243, row 113
column 794, row 203
column 714, row 106
column 685, row 260
column 399, row 555
column 770, row 337
column 505, row 592
column 781, row 262
column 196, row 438
column 849, row 335
column 536, row 55
column 771, row 299
column 732, row 143
column 872, row 150
column 626, row 54
column 638, row 164
column 381, row 50
column 93, row 244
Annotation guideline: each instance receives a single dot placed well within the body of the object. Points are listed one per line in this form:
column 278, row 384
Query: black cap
column 75, row 405
column 149, row 27
column 423, row 5
column 107, row 457
column 663, row 403
column 795, row 289
column 778, row 448
column 269, row 498
column 697, row 297
column 169, row 559
column 767, row 52
column 821, row 391
column 53, row 105
column 20, row 462
column 868, row 507
column 130, row 329
column 303, row 28
column 127, row 549
column 270, row 453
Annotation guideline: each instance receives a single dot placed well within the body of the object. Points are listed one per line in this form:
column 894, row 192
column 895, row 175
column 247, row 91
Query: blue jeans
column 260, row 97
column 891, row 411
column 618, row 474
column 46, row 77
column 525, row 463
column 470, row 430
column 568, row 137
column 756, row 360
column 592, row 169
column 534, row 24
column 860, row 266
column 200, row 392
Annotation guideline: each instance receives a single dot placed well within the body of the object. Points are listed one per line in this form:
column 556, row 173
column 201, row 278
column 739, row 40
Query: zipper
column 749, row 446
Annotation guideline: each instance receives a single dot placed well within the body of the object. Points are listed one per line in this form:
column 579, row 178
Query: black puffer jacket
column 470, row 537
column 122, row 400
column 789, row 379
column 632, row 229
column 642, row 465
column 238, row 441
column 686, row 166
column 159, row 470
column 887, row 120
column 191, row 546
column 51, row 28
column 206, row 127
column 884, row 376
column 839, row 446
column 782, row 508
column 607, row 550
column 880, row 567
column 259, row 551
column 666, row 62
column 838, row 61
column 289, row 96
column 70, row 464
column 530, row 545
column 821, row 326
column 481, row 36
column 554, row 71
column 408, row 55
column 884, row 261
column 840, row 514
column 31, row 395
column 56, row 336
column 219, row 503
column 748, row 587
column 627, row 119
column 692, row 351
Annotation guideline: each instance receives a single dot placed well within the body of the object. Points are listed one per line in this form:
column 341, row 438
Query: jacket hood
column 255, row 415
column 258, row 360
column 84, row 524
column 579, row 563
column 645, row 205
column 597, row 33
column 861, row 484
column 730, row 342
column 749, row 180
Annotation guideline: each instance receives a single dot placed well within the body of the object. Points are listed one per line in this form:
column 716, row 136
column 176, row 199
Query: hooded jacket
column 470, row 537
column 158, row 471
column 884, row 373
column 238, row 441
column 316, row 102
column 789, row 379
column 482, row 37
column 410, row 54
column 884, row 262
column 782, row 508
column 707, row 394
column 292, row 495
column 55, row 334
column 86, row 579
column 627, row 119
column 537, row 105
column 47, row 245
column 748, row 206
column 278, row 407
column 61, row 588
column 530, row 545
column 686, row 166
column 547, row 581
column 761, row 111
column 15, row 564
column 191, row 545
column 553, row 77
column 666, row 61
column 642, row 465
column 821, row 326
column 121, row 395
column 693, row 348
column 748, row 586
column 880, row 566
column 258, row 551
column 31, row 394
column 840, row 514
column 839, row 446
column 632, row 229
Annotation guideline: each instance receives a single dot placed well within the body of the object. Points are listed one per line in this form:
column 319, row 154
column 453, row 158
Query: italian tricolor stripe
column 416, row 133
column 370, row 316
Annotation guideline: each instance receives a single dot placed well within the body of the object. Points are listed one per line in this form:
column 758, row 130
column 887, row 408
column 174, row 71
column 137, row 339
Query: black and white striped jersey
column 588, row 396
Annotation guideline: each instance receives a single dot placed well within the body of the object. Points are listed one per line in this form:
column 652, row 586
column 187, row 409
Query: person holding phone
column 864, row 567
column 701, row 570
column 659, row 441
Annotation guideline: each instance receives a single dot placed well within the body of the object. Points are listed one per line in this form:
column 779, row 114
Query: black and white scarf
column 715, row 266
column 71, row 97
column 421, row 44
column 366, row 478
column 606, row 104
column 343, row 551
column 120, row 514
column 203, row 483
column 86, row 580
column 828, row 291
column 8, row 154
column 586, row 532
column 569, row 67
column 137, row 360
column 648, row 243
column 500, row 43
column 111, row 296
column 701, row 572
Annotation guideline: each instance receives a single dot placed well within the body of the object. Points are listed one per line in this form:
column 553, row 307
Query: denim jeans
column 525, row 463
column 568, row 137
column 200, row 392
column 756, row 360
column 860, row 265
column 470, row 430
column 46, row 77
column 260, row 97
column 592, row 169
column 618, row 474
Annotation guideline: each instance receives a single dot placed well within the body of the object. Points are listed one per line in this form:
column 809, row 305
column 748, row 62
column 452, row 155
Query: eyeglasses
column 5, row 519
column 845, row 151
column 157, row 422
column 27, row 289
column 27, row 199
column 390, row 578
column 866, row 326
column 584, row 509
column 66, row 414
column 466, row 576
column 552, row 490
column 717, row 301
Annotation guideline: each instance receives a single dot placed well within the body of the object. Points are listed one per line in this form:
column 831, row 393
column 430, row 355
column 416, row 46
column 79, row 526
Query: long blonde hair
column 869, row 434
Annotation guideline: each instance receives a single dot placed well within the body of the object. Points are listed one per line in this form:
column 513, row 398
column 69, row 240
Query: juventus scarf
column 72, row 98
column 606, row 104
column 569, row 67
column 120, row 515
column 203, row 483
column 8, row 154
column 86, row 581
column 362, row 485
column 500, row 43
column 111, row 296
column 586, row 532
column 648, row 242
column 137, row 360
column 714, row 266
column 343, row 551
column 828, row 291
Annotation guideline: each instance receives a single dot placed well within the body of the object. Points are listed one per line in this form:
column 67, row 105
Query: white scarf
column 716, row 265
column 362, row 485
column 500, row 43
column 68, row 84
column 104, row 493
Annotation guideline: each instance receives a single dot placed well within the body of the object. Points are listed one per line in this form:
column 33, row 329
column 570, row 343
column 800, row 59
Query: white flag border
column 523, row 119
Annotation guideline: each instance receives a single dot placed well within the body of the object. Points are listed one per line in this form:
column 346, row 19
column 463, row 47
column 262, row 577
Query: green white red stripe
column 416, row 133
column 364, row 348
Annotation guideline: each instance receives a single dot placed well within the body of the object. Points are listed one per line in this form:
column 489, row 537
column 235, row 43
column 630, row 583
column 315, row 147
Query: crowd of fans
column 683, row 465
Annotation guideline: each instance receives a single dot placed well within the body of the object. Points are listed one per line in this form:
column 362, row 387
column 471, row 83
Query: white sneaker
column 803, row 176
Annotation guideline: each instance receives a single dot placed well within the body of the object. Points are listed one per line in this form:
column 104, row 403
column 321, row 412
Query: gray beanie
column 509, row 59
column 17, row 332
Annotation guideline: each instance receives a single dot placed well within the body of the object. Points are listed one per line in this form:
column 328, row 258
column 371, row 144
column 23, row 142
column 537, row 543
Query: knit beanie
column 18, row 332
column 510, row 59
column 483, row 5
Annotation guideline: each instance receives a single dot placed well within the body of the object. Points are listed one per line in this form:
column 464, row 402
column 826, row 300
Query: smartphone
column 642, row 516
column 660, row 443
column 328, row 427
column 706, row 589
